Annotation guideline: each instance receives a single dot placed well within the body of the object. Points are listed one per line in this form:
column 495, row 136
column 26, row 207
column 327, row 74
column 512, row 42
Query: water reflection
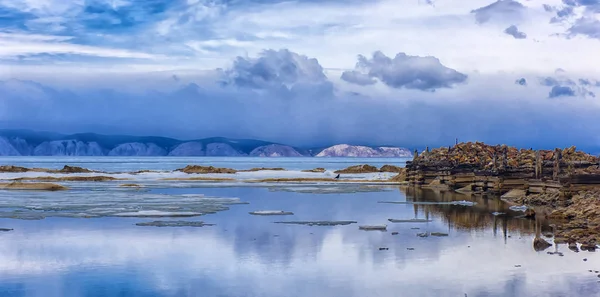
column 246, row 255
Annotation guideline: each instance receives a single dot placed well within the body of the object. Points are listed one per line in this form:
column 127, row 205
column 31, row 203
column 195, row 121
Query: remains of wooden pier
column 556, row 175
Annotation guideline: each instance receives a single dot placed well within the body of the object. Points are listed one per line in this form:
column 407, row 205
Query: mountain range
column 31, row 143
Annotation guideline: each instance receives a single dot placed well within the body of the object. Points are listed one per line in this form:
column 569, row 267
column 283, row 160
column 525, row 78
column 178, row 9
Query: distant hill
column 35, row 143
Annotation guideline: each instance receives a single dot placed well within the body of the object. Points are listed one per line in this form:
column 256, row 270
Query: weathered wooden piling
column 538, row 165
column 557, row 158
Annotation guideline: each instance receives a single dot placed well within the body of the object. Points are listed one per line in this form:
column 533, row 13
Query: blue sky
column 403, row 72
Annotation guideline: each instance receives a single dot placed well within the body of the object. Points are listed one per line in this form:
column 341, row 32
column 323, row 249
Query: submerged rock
column 540, row 244
column 130, row 186
column 263, row 169
column 5, row 229
column 373, row 227
column 13, row 169
column 315, row 170
column 32, row 186
column 271, row 213
column 409, row 221
column 174, row 224
column 206, row 169
column 319, row 223
column 438, row 234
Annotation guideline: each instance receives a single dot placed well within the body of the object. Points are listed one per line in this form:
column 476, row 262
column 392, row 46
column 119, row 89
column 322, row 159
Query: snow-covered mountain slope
column 68, row 148
column 192, row 148
column 346, row 150
column 30, row 143
column 218, row 149
column 275, row 150
column 137, row 149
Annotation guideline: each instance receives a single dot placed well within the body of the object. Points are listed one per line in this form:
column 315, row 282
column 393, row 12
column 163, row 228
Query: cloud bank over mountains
column 305, row 73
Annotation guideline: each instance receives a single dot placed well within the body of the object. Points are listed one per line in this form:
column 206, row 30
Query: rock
column 32, row 186
column 74, row 169
column 13, row 169
column 401, row 177
column 130, row 186
column 271, row 213
column 316, row 170
column 373, row 227
column 423, row 234
column 530, row 213
column 394, row 233
column 514, row 194
column 540, row 244
column 573, row 247
column 263, row 169
column 409, row 221
column 206, row 169
column 391, row 168
column 410, row 249
column 358, row 169
column 383, row 249
column 438, row 234
column 5, row 230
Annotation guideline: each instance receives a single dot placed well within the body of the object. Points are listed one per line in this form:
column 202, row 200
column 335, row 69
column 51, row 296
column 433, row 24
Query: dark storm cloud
column 404, row 71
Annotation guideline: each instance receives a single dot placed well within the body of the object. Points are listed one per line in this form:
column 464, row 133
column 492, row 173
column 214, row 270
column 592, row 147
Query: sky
column 306, row 72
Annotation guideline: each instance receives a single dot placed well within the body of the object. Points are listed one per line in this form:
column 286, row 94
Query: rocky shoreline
column 562, row 185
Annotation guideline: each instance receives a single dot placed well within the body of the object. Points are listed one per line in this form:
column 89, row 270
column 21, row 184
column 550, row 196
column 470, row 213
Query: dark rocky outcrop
column 562, row 185
column 359, row 169
column 206, row 169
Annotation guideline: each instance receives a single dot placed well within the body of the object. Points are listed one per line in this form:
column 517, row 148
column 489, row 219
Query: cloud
column 514, row 32
column 280, row 70
column 404, row 71
column 501, row 9
column 358, row 78
column 521, row 81
column 585, row 26
column 561, row 91
column 562, row 14
column 592, row 6
column 562, row 85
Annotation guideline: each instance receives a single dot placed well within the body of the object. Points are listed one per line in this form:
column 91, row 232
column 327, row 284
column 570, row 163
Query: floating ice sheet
column 174, row 224
column 89, row 204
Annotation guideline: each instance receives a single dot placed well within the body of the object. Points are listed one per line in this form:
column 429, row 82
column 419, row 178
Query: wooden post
column 538, row 165
column 557, row 157
column 505, row 158
column 456, row 141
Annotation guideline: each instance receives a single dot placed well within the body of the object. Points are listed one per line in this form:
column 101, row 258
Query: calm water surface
column 245, row 255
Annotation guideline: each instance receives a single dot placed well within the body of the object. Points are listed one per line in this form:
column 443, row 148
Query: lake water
column 52, row 251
